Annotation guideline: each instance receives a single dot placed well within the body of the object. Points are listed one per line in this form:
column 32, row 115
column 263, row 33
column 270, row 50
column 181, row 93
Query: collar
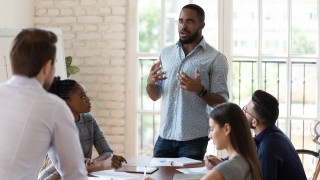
column 24, row 81
column 202, row 44
column 258, row 138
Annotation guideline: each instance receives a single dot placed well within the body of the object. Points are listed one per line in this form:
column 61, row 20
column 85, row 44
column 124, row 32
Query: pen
column 144, row 172
column 171, row 162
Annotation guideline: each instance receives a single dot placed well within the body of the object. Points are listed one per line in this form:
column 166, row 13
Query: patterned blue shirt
column 185, row 115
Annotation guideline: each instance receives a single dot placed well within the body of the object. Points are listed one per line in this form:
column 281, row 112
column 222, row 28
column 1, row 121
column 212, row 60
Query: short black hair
column 196, row 8
column 265, row 106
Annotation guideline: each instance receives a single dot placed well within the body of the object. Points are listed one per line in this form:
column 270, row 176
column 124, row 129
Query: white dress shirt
column 32, row 122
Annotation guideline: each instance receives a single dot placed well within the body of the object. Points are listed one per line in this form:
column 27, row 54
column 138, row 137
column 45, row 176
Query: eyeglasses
column 186, row 22
column 244, row 109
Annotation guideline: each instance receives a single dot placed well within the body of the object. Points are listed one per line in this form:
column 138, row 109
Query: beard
column 191, row 39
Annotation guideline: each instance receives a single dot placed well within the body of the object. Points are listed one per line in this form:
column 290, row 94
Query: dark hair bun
column 55, row 85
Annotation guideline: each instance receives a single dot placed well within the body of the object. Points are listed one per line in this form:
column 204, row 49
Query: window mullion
column 163, row 23
column 259, row 59
column 225, row 15
column 318, row 64
column 289, row 70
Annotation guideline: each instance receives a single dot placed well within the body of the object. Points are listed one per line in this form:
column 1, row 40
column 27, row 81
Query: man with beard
column 190, row 76
column 277, row 156
column 32, row 120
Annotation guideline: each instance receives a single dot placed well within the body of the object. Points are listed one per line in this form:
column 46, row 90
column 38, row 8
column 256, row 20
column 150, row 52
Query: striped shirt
column 185, row 115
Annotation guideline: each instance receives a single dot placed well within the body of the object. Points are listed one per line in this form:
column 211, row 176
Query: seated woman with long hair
column 229, row 130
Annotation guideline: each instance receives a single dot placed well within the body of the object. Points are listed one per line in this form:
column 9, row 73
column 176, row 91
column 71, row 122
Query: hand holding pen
column 211, row 161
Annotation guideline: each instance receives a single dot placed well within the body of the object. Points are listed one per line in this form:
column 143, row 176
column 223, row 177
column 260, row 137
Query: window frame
column 225, row 20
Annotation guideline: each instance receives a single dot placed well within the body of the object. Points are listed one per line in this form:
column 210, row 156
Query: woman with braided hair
column 74, row 94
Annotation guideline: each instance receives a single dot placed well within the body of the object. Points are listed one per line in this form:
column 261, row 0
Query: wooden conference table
column 164, row 172
column 167, row 173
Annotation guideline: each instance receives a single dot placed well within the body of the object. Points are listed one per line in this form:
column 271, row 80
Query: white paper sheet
column 113, row 175
column 199, row 170
column 173, row 161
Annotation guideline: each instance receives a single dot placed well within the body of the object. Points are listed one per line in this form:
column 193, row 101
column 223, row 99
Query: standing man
column 189, row 76
column 277, row 155
column 32, row 120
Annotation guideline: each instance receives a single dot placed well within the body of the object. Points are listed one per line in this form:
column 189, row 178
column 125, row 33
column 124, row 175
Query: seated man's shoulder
column 277, row 143
column 51, row 103
column 275, row 139
column 52, row 99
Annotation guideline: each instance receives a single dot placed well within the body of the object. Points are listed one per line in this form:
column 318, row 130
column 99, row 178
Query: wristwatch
column 203, row 92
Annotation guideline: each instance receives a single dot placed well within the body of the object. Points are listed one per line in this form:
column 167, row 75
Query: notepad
column 182, row 161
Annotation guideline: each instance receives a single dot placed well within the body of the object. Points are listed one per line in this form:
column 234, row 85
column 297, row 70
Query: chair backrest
column 310, row 161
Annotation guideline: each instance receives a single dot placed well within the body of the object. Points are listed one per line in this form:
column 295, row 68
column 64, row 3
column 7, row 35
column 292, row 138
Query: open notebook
column 182, row 161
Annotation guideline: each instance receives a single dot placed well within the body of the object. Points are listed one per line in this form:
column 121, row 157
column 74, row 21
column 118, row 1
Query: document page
column 182, row 161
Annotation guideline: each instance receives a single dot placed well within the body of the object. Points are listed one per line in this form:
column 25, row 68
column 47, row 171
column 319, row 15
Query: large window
column 275, row 47
column 270, row 45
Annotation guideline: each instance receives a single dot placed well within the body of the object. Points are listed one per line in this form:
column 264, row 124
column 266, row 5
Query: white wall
column 7, row 36
column 16, row 13
column 94, row 34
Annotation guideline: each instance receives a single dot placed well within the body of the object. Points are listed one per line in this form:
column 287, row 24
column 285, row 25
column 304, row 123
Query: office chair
column 315, row 156
column 315, row 132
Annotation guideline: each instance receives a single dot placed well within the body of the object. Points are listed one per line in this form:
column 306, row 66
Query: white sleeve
column 66, row 143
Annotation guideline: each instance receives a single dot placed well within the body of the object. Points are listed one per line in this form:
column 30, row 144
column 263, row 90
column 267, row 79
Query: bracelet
column 203, row 92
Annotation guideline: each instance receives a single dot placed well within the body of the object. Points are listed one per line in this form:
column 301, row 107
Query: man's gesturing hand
column 156, row 74
column 189, row 83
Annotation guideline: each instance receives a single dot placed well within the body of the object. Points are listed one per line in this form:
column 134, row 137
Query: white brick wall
column 94, row 35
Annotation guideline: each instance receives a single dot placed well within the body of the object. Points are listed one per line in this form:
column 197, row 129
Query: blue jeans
column 194, row 149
